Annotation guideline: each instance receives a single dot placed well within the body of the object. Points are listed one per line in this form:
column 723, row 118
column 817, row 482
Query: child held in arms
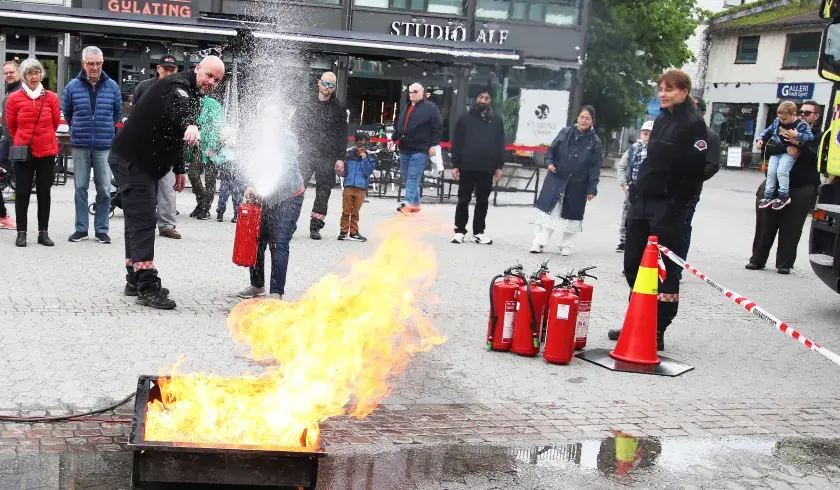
column 357, row 172
column 777, row 140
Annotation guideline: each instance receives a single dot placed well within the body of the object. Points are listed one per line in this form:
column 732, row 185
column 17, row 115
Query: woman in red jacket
column 32, row 116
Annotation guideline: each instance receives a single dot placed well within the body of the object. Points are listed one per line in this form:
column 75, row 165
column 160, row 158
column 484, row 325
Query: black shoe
column 613, row 334
column 103, row 238
column 44, row 239
column 620, row 247
column 220, row 217
column 155, row 299
column 195, row 212
column 131, row 290
column 233, row 220
column 77, row 236
column 660, row 340
column 203, row 215
column 342, row 236
column 356, row 238
column 20, row 241
column 753, row 267
column 783, row 270
column 315, row 234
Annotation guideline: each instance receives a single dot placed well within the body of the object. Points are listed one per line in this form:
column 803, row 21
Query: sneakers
column 565, row 251
column 765, row 203
column 103, row 238
column 170, row 233
column 20, row 241
column 482, row 239
column 203, row 215
column 355, row 237
column 342, row 236
column 251, row 292
column 233, row 220
column 620, row 248
column 195, row 212
column 780, row 203
column 8, row 223
column 78, row 236
column 536, row 249
column 131, row 290
column 155, row 299
column 220, row 217
column 753, row 267
column 458, row 238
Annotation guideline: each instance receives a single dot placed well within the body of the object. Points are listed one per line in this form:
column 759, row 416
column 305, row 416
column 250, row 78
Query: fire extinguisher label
column 510, row 318
column 563, row 312
column 582, row 326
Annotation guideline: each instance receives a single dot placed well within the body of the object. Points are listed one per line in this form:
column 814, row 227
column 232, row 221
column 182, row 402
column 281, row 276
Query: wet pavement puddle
column 618, row 462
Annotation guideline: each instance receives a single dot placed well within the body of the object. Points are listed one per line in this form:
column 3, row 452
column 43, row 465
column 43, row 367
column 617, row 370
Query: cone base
column 651, row 362
column 668, row 367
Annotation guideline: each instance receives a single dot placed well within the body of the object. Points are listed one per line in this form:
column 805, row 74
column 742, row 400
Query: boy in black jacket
column 477, row 156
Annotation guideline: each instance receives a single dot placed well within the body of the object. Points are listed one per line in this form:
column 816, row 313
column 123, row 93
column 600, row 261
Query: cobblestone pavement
column 71, row 340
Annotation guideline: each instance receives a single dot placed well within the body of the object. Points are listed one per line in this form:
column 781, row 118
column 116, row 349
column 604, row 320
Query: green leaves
column 630, row 44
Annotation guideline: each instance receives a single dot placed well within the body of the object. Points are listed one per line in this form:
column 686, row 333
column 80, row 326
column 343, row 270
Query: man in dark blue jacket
column 92, row 106
column 418, row 133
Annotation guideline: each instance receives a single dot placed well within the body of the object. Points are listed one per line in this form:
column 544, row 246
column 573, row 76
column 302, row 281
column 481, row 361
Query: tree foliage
column 630, row 43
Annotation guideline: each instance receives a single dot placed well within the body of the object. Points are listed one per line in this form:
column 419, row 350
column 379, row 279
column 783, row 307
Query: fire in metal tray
column 331, row 353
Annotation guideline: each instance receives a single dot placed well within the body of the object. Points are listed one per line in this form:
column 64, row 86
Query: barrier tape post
column 751, row 307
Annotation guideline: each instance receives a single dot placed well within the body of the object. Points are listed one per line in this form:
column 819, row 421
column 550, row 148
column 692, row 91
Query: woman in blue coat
column 574, row 168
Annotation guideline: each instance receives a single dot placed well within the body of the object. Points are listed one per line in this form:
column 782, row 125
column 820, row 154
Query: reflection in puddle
column 614, row 461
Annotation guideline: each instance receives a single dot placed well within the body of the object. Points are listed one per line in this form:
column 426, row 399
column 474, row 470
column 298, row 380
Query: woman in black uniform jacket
column 669, row 179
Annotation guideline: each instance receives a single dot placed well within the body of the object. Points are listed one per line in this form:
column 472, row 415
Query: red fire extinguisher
column 503, row 290
column 585, row 292
column 561, row 324
column 248, row 226
column 530, row 308
column 547, row 283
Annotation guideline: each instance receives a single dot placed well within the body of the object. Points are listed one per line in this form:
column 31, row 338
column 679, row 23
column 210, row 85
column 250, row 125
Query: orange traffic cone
column 637, row 343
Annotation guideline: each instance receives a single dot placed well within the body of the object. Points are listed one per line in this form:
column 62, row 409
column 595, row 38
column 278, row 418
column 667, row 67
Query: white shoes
column 482, row 239
column 565, row 251
column 458, row 238
column 536, row 248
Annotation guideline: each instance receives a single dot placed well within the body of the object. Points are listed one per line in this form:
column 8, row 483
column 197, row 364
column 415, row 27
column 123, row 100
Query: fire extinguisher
column 561, row 324
column 248, row 226
column 530, row 308
column 547, row 283
column 503, row 290
column 585, row 292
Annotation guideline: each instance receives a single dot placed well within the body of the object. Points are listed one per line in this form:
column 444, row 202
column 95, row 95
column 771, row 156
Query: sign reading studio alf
column 542, row 114
column 449, row 33
column 163, row 8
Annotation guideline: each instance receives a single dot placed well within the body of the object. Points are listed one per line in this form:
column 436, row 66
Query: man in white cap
column 627, row 172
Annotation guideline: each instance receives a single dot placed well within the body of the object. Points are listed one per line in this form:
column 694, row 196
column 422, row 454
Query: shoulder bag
column 23, row 154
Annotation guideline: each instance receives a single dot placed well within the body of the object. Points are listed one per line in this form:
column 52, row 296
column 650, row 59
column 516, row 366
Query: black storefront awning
column 74, row 20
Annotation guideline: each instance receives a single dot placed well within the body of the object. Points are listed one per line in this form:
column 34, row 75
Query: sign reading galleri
column 542, row 114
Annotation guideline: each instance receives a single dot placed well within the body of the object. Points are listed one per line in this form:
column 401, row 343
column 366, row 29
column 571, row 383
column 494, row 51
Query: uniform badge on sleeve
column 184, row 93
column 701, row 145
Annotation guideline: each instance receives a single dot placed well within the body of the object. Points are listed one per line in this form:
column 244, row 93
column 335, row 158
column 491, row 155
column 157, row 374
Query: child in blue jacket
column 782, row 154
column 357, row 172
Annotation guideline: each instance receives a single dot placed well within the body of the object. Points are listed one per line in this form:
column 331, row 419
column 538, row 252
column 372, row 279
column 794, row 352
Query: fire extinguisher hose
column 533, row 316
column 493, row 315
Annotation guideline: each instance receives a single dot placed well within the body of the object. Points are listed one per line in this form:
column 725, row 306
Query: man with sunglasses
column 417, row 133
column 323, row 139
column 788, row 222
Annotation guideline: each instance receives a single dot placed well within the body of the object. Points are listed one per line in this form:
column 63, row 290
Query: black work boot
column 614, row 333
column 44, row 239
column 195, row 211
column 131, row 289
column 155, row 297
column 315, row 226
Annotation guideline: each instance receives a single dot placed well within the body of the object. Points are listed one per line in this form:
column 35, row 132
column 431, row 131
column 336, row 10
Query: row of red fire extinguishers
column 529, row 312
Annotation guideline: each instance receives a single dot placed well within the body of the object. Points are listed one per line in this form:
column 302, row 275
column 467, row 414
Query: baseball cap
column 647, row 126
column 167, row 61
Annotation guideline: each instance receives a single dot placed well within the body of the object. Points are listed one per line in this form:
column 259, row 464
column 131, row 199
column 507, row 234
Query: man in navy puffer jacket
column 92, row 105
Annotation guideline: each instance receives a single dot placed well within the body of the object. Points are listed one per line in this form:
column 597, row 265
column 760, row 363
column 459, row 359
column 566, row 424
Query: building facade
column 757, row 59
column 529, row 50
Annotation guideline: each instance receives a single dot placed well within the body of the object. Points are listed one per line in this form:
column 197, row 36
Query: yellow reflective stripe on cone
column 647, row 281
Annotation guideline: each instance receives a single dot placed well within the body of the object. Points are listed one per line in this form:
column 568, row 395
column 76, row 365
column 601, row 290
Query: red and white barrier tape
column 752, row 307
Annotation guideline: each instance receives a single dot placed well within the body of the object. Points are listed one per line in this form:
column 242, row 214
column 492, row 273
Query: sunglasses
column 327, row 84
column 806, row 113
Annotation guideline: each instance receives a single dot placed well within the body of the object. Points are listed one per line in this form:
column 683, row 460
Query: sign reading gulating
column 161, row 8
column 542, row 114
column 447, row 32
column 795, row 91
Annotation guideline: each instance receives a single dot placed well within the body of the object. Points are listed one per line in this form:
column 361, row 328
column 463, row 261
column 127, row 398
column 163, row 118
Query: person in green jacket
column 210, row 123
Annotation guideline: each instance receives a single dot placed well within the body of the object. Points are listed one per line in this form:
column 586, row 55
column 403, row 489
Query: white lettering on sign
column 448, row 33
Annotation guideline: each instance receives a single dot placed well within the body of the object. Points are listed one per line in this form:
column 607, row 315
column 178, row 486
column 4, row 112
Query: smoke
column 270, row 80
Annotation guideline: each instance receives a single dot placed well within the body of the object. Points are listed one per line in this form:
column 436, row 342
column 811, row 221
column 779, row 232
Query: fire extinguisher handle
column 584, row 272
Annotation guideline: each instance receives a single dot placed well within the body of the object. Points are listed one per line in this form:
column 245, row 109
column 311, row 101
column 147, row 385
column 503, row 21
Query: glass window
column 380, row 4
column 735, row 124
column 557, row 12
column 492, row 9
column 747, row 49
column 17, row 42
column 444, row 6
column 803, row 50
column 46, row 44
column 519, row 11
column 408, row 4
column 562, row 13
column 331, row 2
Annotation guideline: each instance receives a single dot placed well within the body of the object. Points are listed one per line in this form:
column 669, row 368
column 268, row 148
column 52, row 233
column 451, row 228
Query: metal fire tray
column 213, row 464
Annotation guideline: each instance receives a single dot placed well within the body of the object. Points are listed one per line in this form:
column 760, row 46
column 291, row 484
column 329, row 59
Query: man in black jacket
column 788, row 222
column 477, row 157
column 12, row 78
column 144, row 151
column 418, row 133
column 165, row 67
column 323, row 144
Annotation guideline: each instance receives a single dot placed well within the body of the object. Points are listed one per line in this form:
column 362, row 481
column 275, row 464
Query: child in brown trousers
column 357, row 172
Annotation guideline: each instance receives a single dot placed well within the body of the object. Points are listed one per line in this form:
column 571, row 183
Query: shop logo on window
column 162, row 8
column 542, row 111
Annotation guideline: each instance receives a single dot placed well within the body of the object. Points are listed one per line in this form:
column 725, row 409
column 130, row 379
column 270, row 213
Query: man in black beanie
column 477, row 157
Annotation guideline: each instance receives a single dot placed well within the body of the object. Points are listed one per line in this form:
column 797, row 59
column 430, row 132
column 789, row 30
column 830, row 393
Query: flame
column 337, row 346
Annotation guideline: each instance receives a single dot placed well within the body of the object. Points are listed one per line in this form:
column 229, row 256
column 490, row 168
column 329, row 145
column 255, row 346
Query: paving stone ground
column 70, row 340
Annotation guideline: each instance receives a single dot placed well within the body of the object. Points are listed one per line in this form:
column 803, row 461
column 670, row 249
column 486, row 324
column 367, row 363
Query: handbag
column 20, row 153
